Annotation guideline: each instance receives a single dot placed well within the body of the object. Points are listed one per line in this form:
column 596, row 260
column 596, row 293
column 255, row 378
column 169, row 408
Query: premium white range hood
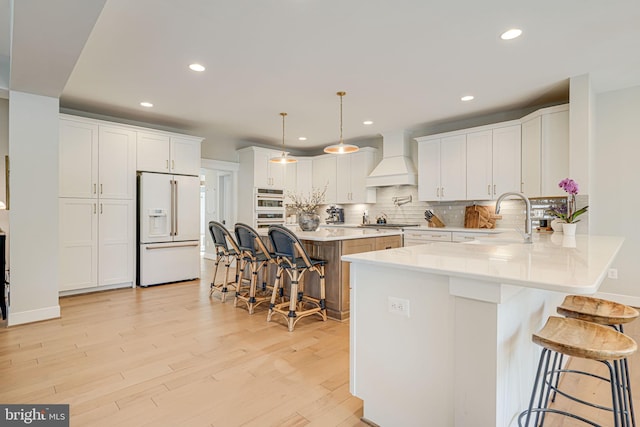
column 396, row 167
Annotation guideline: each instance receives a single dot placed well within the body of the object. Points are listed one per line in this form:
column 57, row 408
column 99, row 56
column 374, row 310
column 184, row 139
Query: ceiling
column 404, row 64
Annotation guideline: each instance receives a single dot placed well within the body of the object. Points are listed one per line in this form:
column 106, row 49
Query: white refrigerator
column 168, row 228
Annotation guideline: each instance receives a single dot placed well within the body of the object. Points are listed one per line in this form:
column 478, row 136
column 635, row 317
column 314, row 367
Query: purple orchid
column 569, row 185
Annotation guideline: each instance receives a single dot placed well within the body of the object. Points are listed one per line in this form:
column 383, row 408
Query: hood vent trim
column 396, row 167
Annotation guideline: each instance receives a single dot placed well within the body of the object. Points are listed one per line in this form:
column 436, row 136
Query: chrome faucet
column 528, row 238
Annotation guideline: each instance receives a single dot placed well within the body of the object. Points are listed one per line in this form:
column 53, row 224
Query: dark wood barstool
column 254, row 254
column 580, row 339
column 293, row 260
column 227, row 251
column 608, row 313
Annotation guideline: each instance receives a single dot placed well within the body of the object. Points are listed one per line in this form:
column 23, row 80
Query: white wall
column 4, row 150
column 33, row 151
column 615, row 176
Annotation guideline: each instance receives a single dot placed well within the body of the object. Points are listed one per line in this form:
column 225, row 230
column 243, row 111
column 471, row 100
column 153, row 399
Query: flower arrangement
column 309, row 204
column 571, row 187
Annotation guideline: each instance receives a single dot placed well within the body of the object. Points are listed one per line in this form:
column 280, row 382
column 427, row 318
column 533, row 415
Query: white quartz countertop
column 341, row 233
column 553, row 262
column 423, row 228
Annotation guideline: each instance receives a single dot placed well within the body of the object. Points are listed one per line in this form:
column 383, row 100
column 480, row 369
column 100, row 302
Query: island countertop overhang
column 553, row 262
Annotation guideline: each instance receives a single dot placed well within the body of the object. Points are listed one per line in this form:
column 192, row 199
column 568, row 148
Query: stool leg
column 615, row 389
column 227, row 264
column 215, row 273
column 323, row 303
column 544, row 360
column 548, row 386
column 553, row 397
column 275, row 292
column 627, row 384
column 252, row 286
column 293, row 300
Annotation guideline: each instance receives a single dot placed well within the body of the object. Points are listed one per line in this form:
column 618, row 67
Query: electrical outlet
column 613, row 273
column 398, row 306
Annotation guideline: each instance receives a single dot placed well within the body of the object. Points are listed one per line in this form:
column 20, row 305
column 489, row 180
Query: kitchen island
column 441, row 332
column 330, row 244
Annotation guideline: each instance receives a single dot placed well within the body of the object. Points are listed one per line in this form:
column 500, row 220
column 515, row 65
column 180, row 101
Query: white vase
column 556, row 225
column 569, row 229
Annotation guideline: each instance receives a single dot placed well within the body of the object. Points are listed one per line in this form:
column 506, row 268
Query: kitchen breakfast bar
column 330, row 244
column 441, row 332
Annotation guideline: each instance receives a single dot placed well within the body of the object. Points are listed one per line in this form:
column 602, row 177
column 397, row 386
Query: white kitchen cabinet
column 419, row 237
column 325, row 175
column 96, row 160
column 545, row 151
column 257, row 171
column 168, row 153
column 352, row 171
column 442, row 168
column 303, row 182
column 96, row 243
column 493, row 162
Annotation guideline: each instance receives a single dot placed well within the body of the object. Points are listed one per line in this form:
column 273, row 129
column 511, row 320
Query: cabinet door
column 78, row 243
column 343, row 176
column 429, row 170
column 117, row 163
column 78, row 161
column 277, row 173
column 453, row 168
column 267, row 174
column 479, row 165
column 185, row 156
column 188, row 208
column 360, row 166
column 506, row 160
column 304, row 176
column 555, row 152
column 115, row 241
column 324, row 175
column 531, row 153
column 152, row 152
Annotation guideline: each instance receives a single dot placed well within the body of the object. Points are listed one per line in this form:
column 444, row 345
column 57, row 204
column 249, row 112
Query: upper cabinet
column 257, row 171
column 325, row 169
column 344, row 176
column 442, row 168
column 168, row 153
column 352, row 171
column 545, row 151
column 96, row 160
column 470, row 164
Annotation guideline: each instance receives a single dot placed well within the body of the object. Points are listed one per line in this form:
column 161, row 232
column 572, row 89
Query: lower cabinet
column 97, row 243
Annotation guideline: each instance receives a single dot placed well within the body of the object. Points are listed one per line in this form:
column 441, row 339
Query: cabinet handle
column 173, row 164
column 94, row 188
column 489, row 189
column 522, row 187
column 442, row 191
column 94, row 208
column 167, row 163
column 100, row 208
column 100, row 188
column 494, row 189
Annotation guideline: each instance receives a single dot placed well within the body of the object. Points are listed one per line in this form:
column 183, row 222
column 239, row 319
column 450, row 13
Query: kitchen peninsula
column 441, row 332
column 330, row 244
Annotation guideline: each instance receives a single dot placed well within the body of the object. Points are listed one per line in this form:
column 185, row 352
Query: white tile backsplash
column 451, row 213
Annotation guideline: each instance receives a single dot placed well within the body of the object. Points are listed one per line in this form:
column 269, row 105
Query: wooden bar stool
column 581, row 339
column 292, row 258
column 255, row 255
column 227, row 250
column 608, row 313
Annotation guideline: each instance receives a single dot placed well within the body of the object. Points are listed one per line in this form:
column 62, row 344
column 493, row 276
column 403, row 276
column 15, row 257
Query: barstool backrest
column 249, row 240
column 286, row 244
column 222, row 238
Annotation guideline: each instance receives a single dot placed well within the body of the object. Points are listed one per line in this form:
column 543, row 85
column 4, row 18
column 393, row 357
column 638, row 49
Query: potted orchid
column 570, row 216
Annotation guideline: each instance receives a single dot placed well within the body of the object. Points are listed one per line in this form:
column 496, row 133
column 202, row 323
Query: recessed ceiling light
column 197, row 67
column 511, row 34
column 367, row 122
column 146, row 104
column 302, row 138
column 466, row 98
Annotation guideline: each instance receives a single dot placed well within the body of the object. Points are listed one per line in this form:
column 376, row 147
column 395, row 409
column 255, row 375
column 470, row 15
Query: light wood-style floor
column 171, row 356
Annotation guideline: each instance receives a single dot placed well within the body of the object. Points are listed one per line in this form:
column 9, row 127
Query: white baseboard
column 21, row 317
column 633, row 301
column 96, row 289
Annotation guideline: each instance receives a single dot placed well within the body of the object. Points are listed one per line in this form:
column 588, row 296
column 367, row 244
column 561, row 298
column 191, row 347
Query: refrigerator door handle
column 175, row 208
column 184, row 245
column 173, row 203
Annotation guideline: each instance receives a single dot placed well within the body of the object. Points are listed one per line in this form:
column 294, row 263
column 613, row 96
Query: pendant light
column 341, row 148
column 284, row 157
